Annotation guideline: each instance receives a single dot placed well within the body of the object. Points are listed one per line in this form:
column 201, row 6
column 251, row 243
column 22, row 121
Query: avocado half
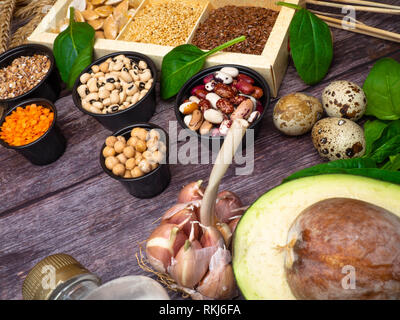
column 258, row 261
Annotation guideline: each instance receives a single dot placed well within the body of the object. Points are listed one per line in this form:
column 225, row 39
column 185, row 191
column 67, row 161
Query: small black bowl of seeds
column 117, row 89
column 137, row 156
column 26, row 72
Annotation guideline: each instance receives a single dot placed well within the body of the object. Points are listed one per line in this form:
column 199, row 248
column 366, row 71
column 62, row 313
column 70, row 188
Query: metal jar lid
column 49, row 274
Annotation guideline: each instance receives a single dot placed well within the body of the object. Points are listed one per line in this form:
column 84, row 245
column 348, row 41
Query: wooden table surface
column 72, row 206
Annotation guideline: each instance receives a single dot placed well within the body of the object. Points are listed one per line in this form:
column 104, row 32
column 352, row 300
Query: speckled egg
column 344, row 99
column 296, row 113
column 337, row 138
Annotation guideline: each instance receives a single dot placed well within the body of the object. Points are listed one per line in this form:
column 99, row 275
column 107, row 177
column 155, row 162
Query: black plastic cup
column 152, row 183
column 197, row 79
column 46, row 149
column 48, row 88
column 142, row 111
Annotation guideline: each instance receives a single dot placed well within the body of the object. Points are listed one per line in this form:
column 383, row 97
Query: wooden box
column 272, row 63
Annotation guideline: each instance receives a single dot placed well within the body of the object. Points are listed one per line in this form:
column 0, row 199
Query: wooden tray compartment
column 271, row 64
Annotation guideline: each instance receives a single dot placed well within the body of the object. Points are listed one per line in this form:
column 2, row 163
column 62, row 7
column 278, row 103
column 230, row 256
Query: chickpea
column 140, row 133
column 161, row 147
column 110, row 162
column 140, row 146
column 119, row 169
column 119, row 146
column 157, row 156
column 128, row 174
column 108, row 152
column 154, row 166
column 121, row 157
column 144, row 166
column 132, row 141
column 129, row 152
column 136, row 172
column 110, row 141
column 130, row 163
column 122, row 139
column 152, row 144
column 154, row 134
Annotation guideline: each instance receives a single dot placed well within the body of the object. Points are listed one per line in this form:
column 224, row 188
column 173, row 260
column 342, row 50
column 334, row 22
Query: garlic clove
column 227, row 206
column 226, row 233
column 163, row 244
column 211, row 238
column 186, row 216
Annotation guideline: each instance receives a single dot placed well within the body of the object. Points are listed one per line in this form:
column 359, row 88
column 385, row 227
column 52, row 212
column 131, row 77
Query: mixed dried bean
column 224, row 96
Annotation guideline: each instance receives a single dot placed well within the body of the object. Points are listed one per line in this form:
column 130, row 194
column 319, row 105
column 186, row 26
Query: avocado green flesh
column 258, row 261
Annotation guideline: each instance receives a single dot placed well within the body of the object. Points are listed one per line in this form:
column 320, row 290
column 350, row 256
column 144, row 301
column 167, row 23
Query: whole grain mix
column 226, row 23
column 168, row 24
column 25, row 125
column 23, row 74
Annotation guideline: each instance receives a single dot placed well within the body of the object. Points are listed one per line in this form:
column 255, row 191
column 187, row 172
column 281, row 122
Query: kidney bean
column 208, row 78
column 258, row 92
column 237, row 100
column 244, row 77
column 243, row 111
column 259, row 107
column 197, row 88
column 244, row 87
column 224, row 91
column 204, row 105
column 225, row 105
column 200, row 93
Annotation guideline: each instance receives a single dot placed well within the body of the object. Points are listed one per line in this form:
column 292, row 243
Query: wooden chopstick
column 369, row 3
column 335, row 15
column 361, row 28
column 357, row 8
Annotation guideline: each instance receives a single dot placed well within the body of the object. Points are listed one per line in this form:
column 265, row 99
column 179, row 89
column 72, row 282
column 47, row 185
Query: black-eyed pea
column 132, row 141
column 130, row 163
column 118, row 169
column 109, row 86
column 104, row 67
column 83, row 90
column 98, row 105
column 86, row 105
column 121, row 157
column 109, row 60
column 84, row 77
column 148, row 84
column 111, row 140
column 91, row 97
column 104, row 111
column 142, row 65
column 122, row 96
column 145, row 76
column 131, row 90
column 126, row 61
column 117, row 85
column 128, row 174
column 119, row 146
column 95, row 68
column 117, row 66
column 144, row 166
column 114, row 97
column 126, row 76
column 140, row 146
column 107, row 102
column 119, row 57
column 137, row 83
column 136, row 172
column 93, row 109
column 104, row 93
column 108, row 152
column 98, row 75
column 113, row 108
column 110, row 78
column 143, row 93
column 135, row 98
column 129, row 151
column 110, row 162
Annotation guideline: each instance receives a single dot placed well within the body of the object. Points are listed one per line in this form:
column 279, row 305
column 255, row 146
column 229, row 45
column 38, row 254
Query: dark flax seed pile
column 226, row 23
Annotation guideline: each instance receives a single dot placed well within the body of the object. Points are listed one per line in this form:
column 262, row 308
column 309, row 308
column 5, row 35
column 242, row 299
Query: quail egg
column 296, row 113
column 344, row 99
column 338, row 138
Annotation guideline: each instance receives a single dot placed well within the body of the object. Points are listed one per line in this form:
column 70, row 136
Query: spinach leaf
column 359, row 166
column 373, row 130
column 72, row 44
column 393, row 163
column 311, row 45
column 382, row 88
column 389, row 148
column 183, row 62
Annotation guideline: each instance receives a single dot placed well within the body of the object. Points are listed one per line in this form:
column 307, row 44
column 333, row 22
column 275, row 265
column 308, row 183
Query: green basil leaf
column 183, row 62
column 311, row 46
column 373, row 130
column 382, row 88
column 69, row 43
column 389, row 148
column 84, row 58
